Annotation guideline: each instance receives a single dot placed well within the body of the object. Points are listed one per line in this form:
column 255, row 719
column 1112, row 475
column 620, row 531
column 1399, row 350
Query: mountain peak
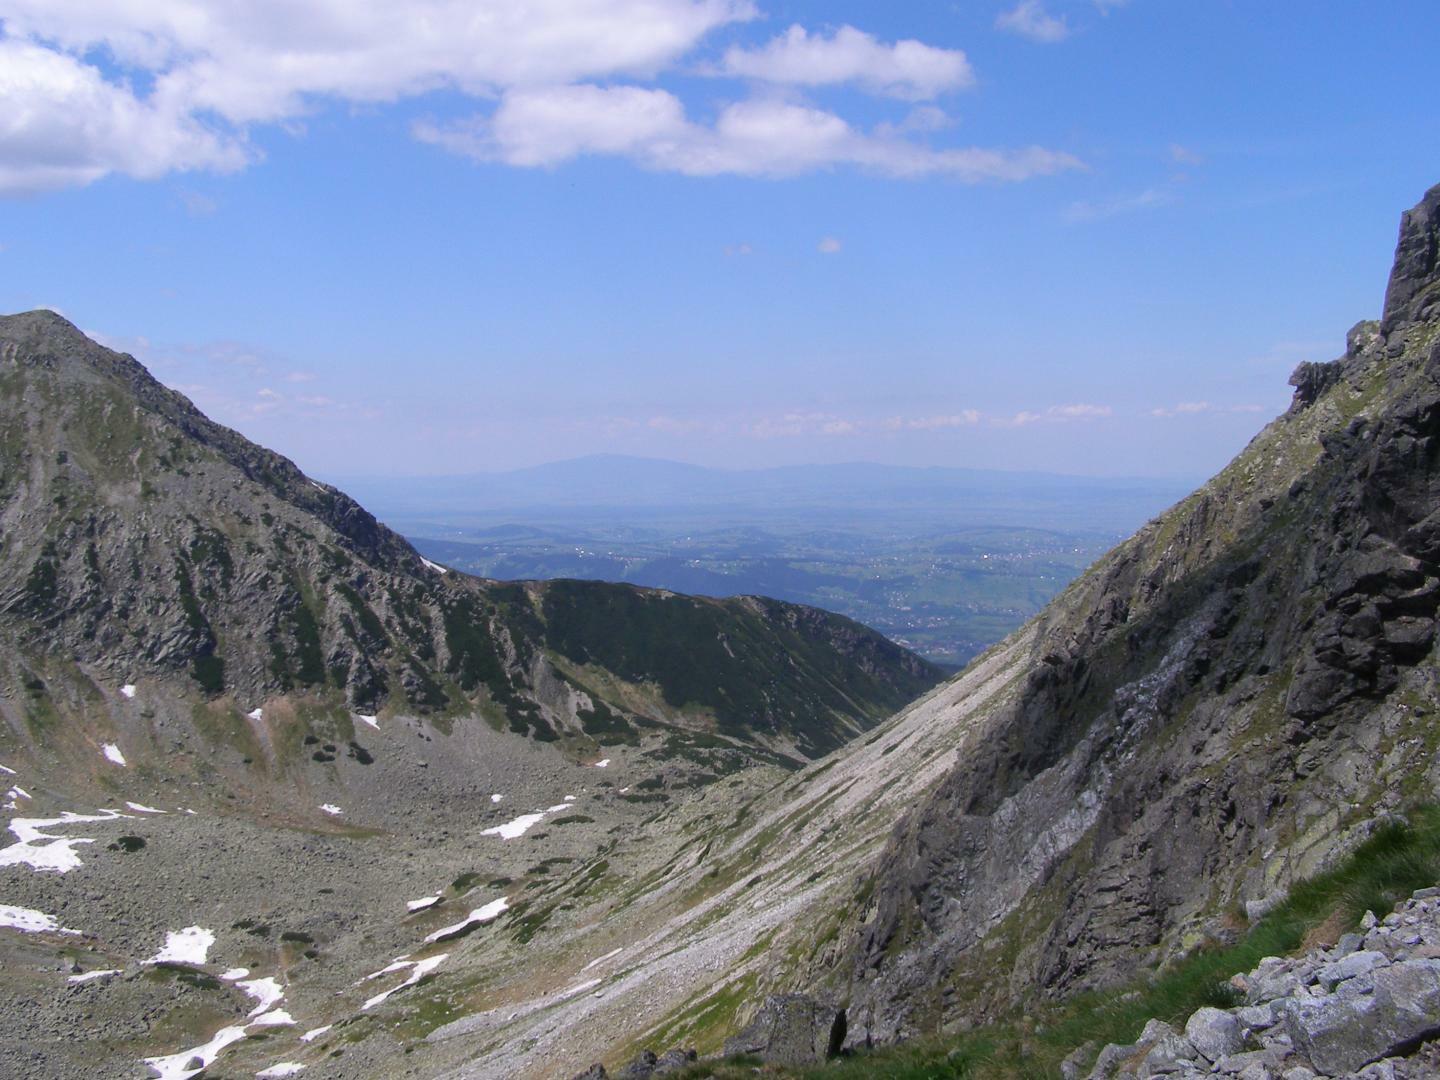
column 1413, row 293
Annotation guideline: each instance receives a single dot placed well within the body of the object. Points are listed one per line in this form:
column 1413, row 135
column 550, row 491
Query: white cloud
column 1055, row 414
column 738, row 250
column 1185, row 408
column 909, row 69
column 261, row 60
column 967, row 418
column 1079, row 411
column 1030, row 20
column 63, row 125
column 547, row 126
column 830, row 245
column 148, row 87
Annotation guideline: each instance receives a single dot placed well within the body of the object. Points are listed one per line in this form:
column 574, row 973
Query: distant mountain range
column 601, row 486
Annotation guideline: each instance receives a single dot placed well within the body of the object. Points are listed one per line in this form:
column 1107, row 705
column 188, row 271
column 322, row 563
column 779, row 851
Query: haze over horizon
column 1076, row 236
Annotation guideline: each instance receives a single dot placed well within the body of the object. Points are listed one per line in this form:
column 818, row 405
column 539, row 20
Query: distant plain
column 946, row 561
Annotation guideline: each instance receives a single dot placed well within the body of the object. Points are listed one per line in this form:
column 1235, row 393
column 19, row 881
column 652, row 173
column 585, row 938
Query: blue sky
column 440, row 237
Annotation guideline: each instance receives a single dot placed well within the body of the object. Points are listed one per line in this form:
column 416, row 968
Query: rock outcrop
column 791, row 1029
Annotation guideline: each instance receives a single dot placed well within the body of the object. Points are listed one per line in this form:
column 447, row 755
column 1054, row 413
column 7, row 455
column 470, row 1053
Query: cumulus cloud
column 1030, row 20
column 547, row 126
column 87, row 90
column 830, row 245
column 64, row 123
column 908, row 69
column 263, row 60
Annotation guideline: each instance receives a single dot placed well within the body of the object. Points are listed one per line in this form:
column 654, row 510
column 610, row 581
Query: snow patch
column 496, row 798
column 557, row 808
column 266, row 991
column 418, row 970
column 315, row 1033
column 400, row 963
column 331, row 808
column 604, row 763
column 488, row 913
column 91, row 976
column 285, row 1068
column 40, row 851
column 143, row 809
column 188, row 946
column 274, row 1018
column 13, row 797
column 423, row 903
column 434, row 566
column 256, row 713
column 8, row 771
column 234, row 973
column 128, row 690
column 112, row 753
column 173, row 1066
column 29, row 921
column 373, row 721
column 512, row 829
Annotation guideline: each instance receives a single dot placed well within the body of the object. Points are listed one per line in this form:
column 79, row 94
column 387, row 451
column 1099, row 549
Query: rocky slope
column 1213, row 711
column 1361, row 1007
column 143, row 541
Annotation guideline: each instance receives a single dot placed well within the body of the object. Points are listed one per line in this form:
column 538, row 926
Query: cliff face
column 142, row 540
column 1219, row 706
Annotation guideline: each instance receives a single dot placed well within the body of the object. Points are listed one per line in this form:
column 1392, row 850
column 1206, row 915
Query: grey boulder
column 791, row 1029
column 1342, row 1032
column 1214, row 1033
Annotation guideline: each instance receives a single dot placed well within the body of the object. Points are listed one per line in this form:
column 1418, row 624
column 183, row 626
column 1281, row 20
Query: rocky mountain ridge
column 1218, row 708
column 142, row 540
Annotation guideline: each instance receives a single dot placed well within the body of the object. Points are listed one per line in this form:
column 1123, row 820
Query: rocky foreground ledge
column 1368, row 1007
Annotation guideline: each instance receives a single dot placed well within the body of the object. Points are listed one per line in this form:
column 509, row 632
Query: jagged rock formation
column 1218, row 707
column 142, row 539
